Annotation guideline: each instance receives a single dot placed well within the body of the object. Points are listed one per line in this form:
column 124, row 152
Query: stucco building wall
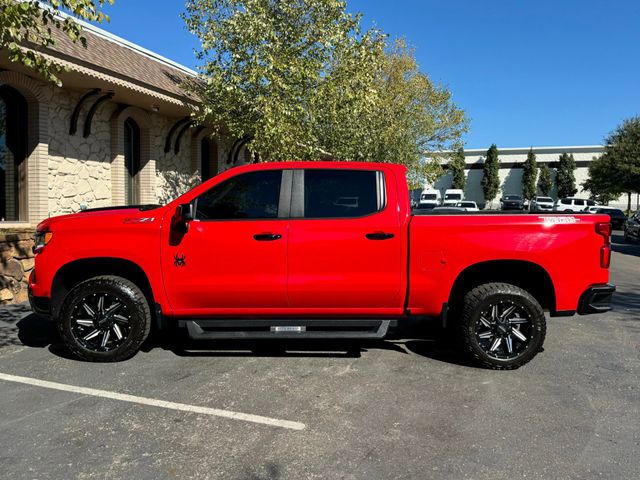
column 511, row 161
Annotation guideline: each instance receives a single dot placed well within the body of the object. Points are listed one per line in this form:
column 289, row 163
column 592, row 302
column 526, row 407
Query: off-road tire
column 482, row 297
column 130, row 295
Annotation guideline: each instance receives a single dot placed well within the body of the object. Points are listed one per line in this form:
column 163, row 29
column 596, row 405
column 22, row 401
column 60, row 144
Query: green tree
column 565, row 177
column 32, row 22
column 602, row 182
column 457, row 167
column 545, row 182
column 622, row 156
column 301, row 79
column 491, row 174
column 529, row 176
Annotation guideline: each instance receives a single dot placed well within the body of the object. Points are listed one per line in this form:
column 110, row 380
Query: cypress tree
column 565, row 178
column 529, row 176
column 491, row 174
column 545, row 183
column 457, row 166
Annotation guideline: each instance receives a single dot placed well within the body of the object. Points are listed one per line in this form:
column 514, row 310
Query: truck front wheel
column 104, row 319
column 502, row 326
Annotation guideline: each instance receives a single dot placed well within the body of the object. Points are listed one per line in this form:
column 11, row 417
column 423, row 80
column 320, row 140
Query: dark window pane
column 250, row 195
column 339, row 193
column 131, row 160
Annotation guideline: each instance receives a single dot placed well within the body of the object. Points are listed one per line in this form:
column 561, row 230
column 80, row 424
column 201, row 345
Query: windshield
column 453, row 196
column 467, row 204
column 544, row 199
column 429, row 196
column 512, row 197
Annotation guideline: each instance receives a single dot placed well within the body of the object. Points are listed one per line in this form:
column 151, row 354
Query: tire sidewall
column 126, row 294
column 538, row 327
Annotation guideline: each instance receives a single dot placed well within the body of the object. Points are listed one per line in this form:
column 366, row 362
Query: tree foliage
column 491, row 174
column 545, row 182
column 457, row 167
column 27, row 26
column 304, row 81
column 602, row 182
column 565, row 177
column 621, row 160
column 529, row 176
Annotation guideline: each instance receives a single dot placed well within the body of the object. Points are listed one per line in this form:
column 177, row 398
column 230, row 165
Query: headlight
column 41, row 239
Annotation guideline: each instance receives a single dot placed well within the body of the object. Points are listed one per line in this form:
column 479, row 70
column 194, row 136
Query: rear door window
column 579, row 202
column 342, row 193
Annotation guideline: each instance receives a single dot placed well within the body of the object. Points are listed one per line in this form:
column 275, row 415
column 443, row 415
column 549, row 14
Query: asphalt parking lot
column 392, row 409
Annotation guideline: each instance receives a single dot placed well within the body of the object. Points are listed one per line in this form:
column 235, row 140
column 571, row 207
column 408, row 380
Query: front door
column 232, row 259
column 345, row 246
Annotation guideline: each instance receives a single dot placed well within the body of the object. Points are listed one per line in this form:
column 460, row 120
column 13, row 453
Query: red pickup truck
column 314, row 249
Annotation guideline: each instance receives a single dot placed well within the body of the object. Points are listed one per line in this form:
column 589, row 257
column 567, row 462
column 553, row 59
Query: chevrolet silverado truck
column 314, row 250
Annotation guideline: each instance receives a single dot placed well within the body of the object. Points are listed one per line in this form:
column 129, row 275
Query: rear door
column 345, row 242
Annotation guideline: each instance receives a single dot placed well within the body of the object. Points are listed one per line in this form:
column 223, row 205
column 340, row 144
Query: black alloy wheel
column 105, row 319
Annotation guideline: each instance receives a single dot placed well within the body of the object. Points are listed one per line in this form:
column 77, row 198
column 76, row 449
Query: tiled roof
column 114, row 57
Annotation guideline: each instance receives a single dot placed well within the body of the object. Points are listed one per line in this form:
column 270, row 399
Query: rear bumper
column 596, row 299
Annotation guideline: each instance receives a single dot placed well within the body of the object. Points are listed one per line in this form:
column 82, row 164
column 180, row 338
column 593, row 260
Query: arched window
column 13, row 153
column 208, row 158
column 131, row 161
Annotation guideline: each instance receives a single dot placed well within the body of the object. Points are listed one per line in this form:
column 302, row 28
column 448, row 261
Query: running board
column 207, row 329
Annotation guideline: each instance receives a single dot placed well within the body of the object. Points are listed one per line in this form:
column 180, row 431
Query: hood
column 109, row 214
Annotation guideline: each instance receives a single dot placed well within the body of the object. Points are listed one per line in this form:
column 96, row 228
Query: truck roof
column 323, row 164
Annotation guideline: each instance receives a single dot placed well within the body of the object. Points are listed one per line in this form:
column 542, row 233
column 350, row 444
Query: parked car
column 423, row 207
column 468, row 205
column 594, row 209
column 617, row 216
column 541, row 204
column 430, row 197
column 632, row 228
column 313, row 250
column 571, row 204
column 512, row 202
column 448, row 209
column 452, row 196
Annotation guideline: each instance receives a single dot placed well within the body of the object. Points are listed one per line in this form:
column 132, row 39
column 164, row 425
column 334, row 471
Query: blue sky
column 541, row 73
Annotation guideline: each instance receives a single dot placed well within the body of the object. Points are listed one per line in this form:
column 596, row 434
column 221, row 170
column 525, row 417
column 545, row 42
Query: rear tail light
column 604, row 229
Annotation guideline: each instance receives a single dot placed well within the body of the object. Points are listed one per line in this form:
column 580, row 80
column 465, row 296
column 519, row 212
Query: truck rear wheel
column 502, row 326
column 105, row 319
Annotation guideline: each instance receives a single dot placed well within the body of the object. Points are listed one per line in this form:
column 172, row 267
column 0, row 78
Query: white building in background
column 511, row 162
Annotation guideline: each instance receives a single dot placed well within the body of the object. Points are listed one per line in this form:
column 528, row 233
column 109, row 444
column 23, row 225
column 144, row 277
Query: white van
column 452, row 196
column 430, row 198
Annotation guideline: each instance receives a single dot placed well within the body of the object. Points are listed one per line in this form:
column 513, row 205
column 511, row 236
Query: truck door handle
column 267, row 237
column 379, row 236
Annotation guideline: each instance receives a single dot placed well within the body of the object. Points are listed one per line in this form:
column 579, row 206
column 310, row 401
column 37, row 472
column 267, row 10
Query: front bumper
column 596, row 299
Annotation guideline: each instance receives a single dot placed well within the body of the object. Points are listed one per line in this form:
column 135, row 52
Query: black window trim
column 284, row 202
column 297, row 194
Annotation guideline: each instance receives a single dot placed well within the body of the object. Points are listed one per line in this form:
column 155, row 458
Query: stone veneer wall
column 82, row 171
column 16, row 263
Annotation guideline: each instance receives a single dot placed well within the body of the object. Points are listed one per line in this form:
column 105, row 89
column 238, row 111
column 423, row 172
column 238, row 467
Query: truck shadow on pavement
column 20, row 327
column 426, row 339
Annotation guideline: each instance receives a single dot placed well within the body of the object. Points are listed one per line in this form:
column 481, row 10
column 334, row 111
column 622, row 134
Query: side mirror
column 184, row 214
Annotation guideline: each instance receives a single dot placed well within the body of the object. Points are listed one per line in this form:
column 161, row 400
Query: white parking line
column 216, row 412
